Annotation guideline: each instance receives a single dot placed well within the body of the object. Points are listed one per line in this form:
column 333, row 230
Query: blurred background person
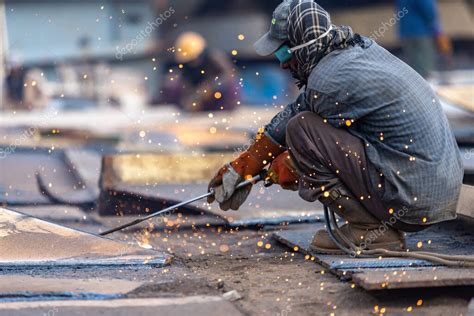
column 203, row 79
column 26, row 89
column 420, row 33
column 14, row 81
column 36, row 95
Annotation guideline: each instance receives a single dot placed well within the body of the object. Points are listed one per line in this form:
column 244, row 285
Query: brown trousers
column 327, row 157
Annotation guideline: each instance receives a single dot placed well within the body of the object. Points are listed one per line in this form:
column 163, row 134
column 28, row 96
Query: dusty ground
column 273, row 280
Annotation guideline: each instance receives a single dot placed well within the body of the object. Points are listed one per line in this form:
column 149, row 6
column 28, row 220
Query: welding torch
column 259, row 177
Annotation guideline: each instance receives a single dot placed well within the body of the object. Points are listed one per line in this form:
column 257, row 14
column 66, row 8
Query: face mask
column 284, row 54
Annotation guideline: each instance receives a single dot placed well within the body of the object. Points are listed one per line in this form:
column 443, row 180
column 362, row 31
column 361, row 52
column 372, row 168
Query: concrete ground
column 271, row 279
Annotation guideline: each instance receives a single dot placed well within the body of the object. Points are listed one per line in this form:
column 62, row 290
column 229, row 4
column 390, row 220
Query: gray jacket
column 414, row 161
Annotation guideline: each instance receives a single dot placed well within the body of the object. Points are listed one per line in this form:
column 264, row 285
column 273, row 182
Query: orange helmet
column 189, row 46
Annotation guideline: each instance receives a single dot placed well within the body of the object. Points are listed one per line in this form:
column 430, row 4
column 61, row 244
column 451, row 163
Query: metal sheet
column 140, row 184
column 30, row 242
column 413, row 278
column 19, row 171
column 302, row 239
column 453, row 238
column 177, row 220
column 79, row 195
column 467, row 156
column 23, row 287
column 18, row 175
column 54, row 213
column 155, row 169
column 84, row 166
column 470, row 308
column 466, row 201
column 190, row 305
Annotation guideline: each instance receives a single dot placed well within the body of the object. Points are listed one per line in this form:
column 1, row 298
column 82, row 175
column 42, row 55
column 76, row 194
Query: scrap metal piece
column 57, row 172
column 174, row 220
column 154, row 169
column 388, row 279
column 467, row 156
column 377, row 264
column 14, row 287
column 83, row 198
column 30, row 242
column 466, row 201
column 470, row 308
column 189, row 305
column 141, row 184
column 174, row 207
column 301, row 240
column 17, row 174
column 203, row 135
column 55, row 213
column 84, row 166
column 264, row 206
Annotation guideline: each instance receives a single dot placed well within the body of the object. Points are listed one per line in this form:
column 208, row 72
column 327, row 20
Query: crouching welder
column 367, row 137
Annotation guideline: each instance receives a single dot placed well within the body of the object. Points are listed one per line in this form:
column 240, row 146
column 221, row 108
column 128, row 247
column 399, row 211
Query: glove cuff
column 262, row 152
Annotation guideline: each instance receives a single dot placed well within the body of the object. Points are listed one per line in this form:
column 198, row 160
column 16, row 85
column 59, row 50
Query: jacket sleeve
column 276, row 129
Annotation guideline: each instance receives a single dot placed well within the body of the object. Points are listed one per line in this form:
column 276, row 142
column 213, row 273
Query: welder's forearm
column 276, row 129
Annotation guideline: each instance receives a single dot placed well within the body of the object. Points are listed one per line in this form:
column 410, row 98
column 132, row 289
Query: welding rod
column 242, row 184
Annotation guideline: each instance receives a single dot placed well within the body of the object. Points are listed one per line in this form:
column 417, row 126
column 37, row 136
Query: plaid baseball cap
column 278, row 34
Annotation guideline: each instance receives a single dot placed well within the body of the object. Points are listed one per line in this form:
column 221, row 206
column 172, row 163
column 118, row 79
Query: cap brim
column 267, row 45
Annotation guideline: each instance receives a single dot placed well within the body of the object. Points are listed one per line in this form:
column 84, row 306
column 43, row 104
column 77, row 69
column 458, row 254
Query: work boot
column 362, row 229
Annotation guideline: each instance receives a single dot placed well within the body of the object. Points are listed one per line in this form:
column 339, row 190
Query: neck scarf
column 306, row 22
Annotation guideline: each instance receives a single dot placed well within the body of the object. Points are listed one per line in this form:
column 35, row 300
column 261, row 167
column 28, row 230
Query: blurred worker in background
column 35, row 93
column 420, row 31
column 26, row 89
column 14, row 83
column 203, row 79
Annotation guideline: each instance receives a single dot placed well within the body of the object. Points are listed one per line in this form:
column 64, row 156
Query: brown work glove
column 262, row 151
column 282, row 171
